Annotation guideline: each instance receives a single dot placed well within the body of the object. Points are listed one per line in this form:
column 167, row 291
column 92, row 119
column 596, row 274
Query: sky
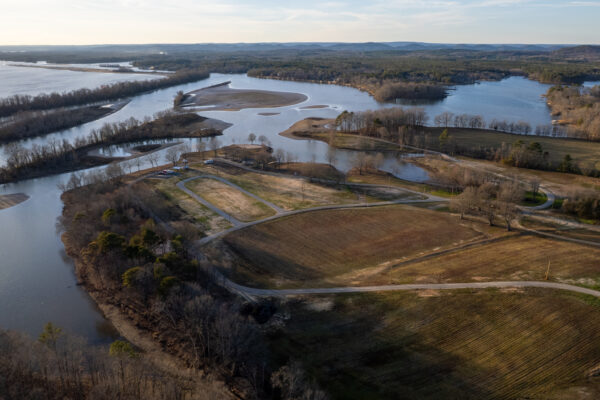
column 24, row 22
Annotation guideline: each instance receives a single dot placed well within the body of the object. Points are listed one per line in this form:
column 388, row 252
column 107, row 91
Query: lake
column 37, row 282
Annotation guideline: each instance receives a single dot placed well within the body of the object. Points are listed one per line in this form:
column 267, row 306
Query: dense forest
column 25, row 125
column 57, row 156
column 578, row 108
column 60, row 366
column 20, row 103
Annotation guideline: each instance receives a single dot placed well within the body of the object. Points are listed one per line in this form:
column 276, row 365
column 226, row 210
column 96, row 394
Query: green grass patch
column 531, row 201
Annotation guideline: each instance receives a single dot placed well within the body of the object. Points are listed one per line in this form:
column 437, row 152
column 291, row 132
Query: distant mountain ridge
column 335, row 46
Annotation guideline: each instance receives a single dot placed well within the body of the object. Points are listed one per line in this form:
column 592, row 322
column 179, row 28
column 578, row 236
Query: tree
column 50, row 335
column 331, row 155
column 509, row 194
column 444, row 119
column 173, row 154
column 534, row 184
column 214, row 144
column 201, row 148
column 263, row 139
column 444, row 139
column 465, row 202
column 566, row 164
column 179, row 98
column 279, row 155
column 129, row 277
column 252, row 138
column 153, row 158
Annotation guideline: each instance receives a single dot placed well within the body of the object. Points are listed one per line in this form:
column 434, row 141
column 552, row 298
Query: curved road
column 255, row 292
column 250, row 293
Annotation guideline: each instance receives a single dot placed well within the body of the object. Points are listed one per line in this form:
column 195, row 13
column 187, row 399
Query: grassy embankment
column 462, row 344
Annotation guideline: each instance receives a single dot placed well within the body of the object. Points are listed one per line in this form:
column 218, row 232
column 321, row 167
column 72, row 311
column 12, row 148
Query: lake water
column 33, row 81
column 37, row 283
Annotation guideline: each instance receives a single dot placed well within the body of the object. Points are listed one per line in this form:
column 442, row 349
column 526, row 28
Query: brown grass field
column 535, row 343
column 196, row 211
column 516, row 258
column 324, row 248
column 230, row 200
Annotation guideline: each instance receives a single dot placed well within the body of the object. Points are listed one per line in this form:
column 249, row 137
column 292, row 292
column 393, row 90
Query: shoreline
column 140, row 338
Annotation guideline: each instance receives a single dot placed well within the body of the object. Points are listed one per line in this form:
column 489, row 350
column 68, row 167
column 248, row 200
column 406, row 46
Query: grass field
column 232, row 201
column 584, row 153
column 294, row 194
column 197, row 212
column 516, row 258
column 324, row 248
column 465, row 344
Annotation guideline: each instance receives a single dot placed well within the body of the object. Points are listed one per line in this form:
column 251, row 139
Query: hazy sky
column 198, row 21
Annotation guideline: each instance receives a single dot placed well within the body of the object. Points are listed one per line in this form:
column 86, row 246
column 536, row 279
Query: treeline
column 371, row 122
column 18, row 103
column 390, row 92
column 59, row 366
column 152, row 270
column 60, row 156
column 381, row 123
column 578, row 108
column 25, row 125
column 407, row 127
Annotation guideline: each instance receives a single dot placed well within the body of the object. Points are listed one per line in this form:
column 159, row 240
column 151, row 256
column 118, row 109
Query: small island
column 222, row 97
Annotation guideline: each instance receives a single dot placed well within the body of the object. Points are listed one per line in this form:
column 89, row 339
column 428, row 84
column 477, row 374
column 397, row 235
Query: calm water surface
column 37, row 283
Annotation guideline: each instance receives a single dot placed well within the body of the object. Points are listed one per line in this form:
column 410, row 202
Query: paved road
column 250, row 292
column 233, row 185
column 549, row 200
column 237, row 225
column 216, row 210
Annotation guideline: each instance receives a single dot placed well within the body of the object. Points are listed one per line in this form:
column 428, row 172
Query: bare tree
column 252, row 138
column 465, row 202
column 534, row 184
column 331, row 155
column 214, row 144
column 153, row 158
column 509, row 194
column 444, row 119
column 279, row 155
column 263, row 139
column 173, row 154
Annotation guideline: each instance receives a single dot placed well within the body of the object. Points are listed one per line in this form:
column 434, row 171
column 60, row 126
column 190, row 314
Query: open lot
column 466, row 344
column 516, row 258
column 195, row 211
column 324, row 248
column 230, row 200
